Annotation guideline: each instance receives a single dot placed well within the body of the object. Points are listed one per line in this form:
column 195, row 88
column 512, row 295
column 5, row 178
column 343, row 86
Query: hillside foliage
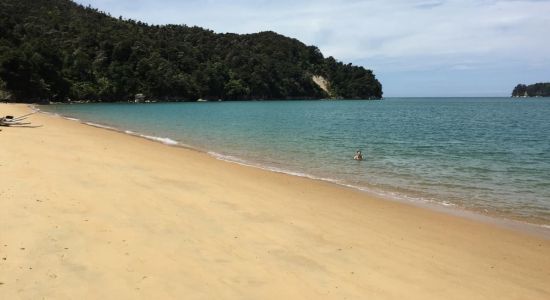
column 532, row 90
column 56, row 50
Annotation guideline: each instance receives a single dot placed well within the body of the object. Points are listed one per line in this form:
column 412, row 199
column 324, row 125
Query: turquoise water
column 490, row 155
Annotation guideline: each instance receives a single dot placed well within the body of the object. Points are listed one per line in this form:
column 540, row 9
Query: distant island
column 57, row 50
column 532, row 90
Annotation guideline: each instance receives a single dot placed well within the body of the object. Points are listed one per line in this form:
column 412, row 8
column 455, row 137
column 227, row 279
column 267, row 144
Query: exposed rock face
column 322, row 83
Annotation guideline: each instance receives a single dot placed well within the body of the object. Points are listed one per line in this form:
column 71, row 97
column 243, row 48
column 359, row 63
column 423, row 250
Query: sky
column 416, row 48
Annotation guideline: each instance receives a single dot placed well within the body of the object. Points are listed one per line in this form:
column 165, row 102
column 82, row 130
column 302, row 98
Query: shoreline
column 94, row 213
column 522, row 225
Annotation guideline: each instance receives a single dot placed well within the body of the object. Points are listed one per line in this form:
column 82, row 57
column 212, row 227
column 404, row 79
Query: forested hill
column 56, row 50
column 532, row 90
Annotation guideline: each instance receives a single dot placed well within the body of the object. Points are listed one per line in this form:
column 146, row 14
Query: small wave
column 38, row 110
column 240, row 161
column 34, row 108
column 99, row 125
column 49, row 113
column 395, row 196
column 381, row 193
column 164, row 140
column 228, row 158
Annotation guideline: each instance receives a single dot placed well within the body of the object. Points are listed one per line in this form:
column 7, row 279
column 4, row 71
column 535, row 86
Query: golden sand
column 88, row 213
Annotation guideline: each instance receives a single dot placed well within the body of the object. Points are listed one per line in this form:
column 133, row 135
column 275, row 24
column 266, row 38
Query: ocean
column 486, row 155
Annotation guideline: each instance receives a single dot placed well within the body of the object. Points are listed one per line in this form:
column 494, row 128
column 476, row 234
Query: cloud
column 390, row 36
column 355, row 30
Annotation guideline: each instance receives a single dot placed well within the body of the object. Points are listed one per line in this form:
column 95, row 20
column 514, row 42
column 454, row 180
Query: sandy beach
column 89, row 213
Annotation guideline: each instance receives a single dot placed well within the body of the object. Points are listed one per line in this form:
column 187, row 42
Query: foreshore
column 91, row 213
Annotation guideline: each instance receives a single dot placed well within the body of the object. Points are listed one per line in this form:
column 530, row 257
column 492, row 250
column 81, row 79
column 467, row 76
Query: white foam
column 384, row 194
column 99, row 125
column 34, row 108
column 227, row 158
column 164, row 140
column 240, row 161
column 38, row 110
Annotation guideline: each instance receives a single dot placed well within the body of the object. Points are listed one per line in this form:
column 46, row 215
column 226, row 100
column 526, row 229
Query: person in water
column 358, row 155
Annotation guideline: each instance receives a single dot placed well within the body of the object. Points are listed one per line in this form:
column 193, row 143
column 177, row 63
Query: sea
column 488, row 156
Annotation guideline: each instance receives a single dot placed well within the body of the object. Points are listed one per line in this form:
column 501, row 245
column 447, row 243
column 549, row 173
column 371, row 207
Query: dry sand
column 88, row 213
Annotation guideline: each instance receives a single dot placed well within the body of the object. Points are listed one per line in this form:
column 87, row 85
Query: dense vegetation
column 56, row 50
column 533, row 90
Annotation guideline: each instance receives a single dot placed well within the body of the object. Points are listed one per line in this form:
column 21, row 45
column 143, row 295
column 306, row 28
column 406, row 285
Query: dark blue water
column 490, row 155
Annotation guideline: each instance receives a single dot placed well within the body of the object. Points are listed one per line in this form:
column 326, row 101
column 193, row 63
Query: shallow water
column 490, row 155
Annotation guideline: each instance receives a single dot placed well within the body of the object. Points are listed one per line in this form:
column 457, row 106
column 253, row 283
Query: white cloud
column 386, row 35
column 354, row 30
